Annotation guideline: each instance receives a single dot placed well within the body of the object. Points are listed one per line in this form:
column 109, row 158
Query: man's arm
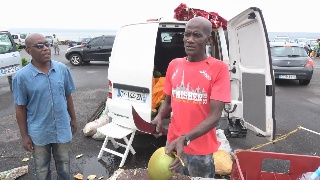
column 210, row 122
column 72, row 113
column 204, row 127
column 21, row 115
column 165, row 108
column 164, row 111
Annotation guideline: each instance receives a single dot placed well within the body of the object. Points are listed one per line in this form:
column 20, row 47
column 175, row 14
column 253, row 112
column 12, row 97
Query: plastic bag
column 157, row 91
column 225, row 145
column 91, row 128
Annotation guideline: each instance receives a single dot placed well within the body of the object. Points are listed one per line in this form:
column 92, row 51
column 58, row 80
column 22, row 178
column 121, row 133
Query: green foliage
column 24, row 61
column 19, row 47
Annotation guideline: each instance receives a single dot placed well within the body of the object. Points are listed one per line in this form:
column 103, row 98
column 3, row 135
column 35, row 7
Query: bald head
column 202, row 23
column 31, row 38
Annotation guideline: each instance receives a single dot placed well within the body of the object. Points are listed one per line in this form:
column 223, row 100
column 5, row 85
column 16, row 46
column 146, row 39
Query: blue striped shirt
column 44, row 96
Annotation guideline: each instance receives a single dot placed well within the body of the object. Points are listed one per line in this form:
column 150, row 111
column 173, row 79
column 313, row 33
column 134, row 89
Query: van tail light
column 110, row 89
column 309, row 63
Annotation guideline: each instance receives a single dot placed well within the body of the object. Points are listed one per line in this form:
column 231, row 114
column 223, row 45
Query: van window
column 284, row 51
column 169, row 46
column 98, row 41
column 5, row 43
column 109, row 41
column 172, row 37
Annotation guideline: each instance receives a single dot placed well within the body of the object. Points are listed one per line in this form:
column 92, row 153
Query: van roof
column 159, row 20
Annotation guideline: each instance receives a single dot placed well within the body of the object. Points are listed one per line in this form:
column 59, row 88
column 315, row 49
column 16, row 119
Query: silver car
column 49, row 39
column 291, row 61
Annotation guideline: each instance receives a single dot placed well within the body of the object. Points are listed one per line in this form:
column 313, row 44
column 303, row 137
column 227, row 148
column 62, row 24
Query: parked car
column 98, row 49
column 311, row 42
column 291, row 61
column 301, row 41
column 49, row 39
column 10, row 61
column 79, row 41
column 19, row 39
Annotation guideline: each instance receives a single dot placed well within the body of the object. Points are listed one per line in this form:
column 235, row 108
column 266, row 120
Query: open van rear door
column 130, row 72
column 252, row 82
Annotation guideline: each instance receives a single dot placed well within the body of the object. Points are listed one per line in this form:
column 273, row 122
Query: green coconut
column 156, row 74
column 158, row 166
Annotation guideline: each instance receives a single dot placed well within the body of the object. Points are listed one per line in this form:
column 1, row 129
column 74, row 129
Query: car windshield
column 85, row 39
column 76, row 40
column 5, row 43
column 284, row 51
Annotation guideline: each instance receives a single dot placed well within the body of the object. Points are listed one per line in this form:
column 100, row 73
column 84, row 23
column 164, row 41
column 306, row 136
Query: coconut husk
column 13, row 173
column 222, row 162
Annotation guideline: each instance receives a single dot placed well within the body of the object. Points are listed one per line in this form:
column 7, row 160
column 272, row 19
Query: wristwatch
column 186, row 140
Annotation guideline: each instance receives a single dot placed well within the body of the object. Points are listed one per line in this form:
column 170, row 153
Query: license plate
column 9, row 70
column 132, row 96
column 287, row 77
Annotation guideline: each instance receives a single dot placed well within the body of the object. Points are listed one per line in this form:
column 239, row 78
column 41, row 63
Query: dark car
column 98, row 49
column 79, row 41
column 291, row 61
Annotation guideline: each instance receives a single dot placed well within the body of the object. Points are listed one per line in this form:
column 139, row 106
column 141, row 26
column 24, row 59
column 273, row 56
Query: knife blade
column 143, row 125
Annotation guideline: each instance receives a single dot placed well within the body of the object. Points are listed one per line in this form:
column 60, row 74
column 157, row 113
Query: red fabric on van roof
column 185, row 13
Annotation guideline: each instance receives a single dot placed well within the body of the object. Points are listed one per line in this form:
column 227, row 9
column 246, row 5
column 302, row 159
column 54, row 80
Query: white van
column 10, row 61
column 244, row 47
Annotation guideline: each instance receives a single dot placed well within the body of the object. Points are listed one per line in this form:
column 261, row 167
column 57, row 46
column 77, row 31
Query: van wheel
column 75, row 59
column 304, row 82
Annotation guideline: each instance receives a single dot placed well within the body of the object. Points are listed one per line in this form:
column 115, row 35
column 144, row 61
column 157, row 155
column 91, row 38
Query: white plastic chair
column 113, row 131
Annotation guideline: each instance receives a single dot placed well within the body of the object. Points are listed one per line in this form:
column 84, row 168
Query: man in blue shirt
column 44, row 108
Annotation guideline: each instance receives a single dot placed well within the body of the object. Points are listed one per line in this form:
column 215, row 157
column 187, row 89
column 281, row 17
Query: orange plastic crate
column 247, row 165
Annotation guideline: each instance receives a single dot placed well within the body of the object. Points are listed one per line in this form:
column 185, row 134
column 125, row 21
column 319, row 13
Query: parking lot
column 295, row 105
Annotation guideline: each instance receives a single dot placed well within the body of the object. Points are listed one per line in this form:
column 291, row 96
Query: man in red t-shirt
column 196, row 88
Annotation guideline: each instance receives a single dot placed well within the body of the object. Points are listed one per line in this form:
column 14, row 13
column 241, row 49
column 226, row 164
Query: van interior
column 169, row 45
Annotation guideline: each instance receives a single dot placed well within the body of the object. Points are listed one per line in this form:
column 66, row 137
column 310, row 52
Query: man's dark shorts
column 198, row 166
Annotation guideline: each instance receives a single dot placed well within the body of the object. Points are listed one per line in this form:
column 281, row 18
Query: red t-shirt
column 191, row 85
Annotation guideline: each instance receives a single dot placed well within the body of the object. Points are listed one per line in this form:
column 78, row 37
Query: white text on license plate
column 9, row 70
column 287, row 77
column 132, row 96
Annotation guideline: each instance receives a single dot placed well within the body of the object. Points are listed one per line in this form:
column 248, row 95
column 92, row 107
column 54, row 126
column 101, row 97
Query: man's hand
column 27, row 143
column 177, row 146
column 73, row 125
column 158, row 121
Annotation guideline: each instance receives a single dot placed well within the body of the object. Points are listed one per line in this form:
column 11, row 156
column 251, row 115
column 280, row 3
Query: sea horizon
column 73, row 33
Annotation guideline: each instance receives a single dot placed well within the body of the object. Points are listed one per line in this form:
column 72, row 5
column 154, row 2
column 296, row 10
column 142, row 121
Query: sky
column 279, row 15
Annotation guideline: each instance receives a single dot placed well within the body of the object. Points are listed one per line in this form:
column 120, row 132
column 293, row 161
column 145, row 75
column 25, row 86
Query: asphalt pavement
column 295, row 105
